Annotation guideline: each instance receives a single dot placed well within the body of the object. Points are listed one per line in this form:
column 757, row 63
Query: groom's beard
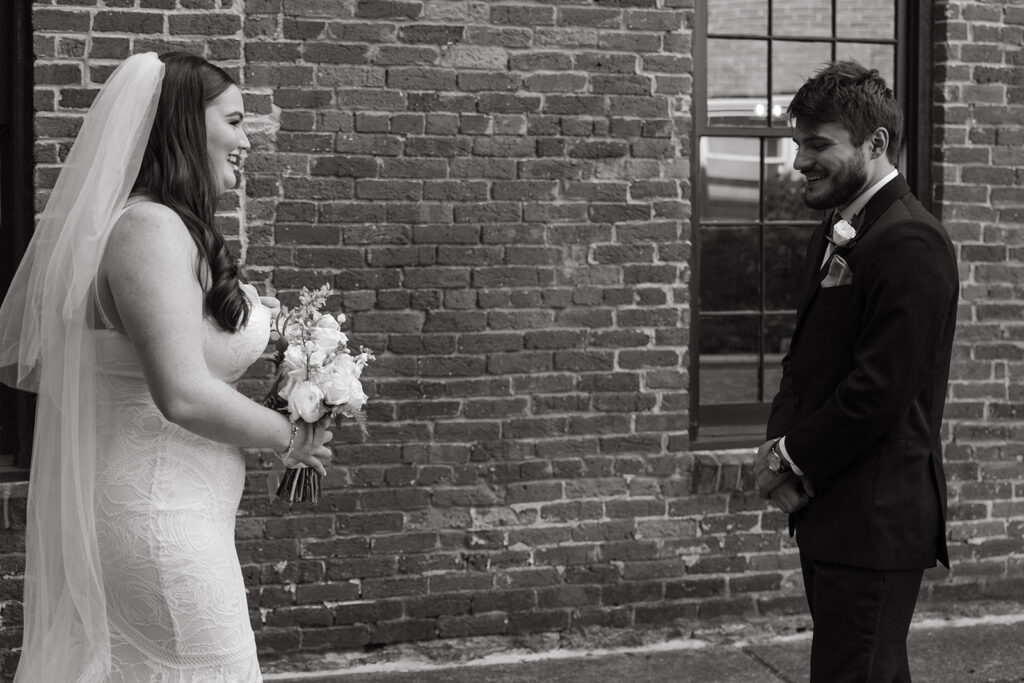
column 844, row 185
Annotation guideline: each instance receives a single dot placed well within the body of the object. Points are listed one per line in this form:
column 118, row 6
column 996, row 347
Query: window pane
column 802, row 17
column 792, row 64
column 777, row 334
column 730, row 178
column 729, row 272
column 784, row 186
column 737, row 82
column 866, row 19
column 784, row 248
column 728, row 359
column 881, row 57
column 738, row 16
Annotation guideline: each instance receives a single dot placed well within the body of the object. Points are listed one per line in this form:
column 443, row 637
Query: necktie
column 829, row 244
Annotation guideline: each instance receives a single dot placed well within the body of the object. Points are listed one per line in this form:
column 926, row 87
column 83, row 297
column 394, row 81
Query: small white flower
column 843, row 233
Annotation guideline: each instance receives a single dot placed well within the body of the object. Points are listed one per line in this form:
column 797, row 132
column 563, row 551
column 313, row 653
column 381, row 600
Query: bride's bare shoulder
column 151, row 227
column 148, row 216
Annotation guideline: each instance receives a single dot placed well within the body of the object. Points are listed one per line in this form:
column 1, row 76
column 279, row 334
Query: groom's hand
column 767, row 481
column 789, row 495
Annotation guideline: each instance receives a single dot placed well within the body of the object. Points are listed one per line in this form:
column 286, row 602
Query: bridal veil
column 46, row 346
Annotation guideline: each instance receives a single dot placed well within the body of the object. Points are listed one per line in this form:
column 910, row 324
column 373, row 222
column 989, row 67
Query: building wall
column 499, row 193
column 979, row 176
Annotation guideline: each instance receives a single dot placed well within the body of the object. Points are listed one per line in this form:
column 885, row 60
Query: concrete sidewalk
column 944, row 649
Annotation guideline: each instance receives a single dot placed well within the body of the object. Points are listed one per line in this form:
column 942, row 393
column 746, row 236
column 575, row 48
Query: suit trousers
column 861, row 620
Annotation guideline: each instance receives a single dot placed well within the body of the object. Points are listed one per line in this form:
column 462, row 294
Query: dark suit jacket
column 863, row 388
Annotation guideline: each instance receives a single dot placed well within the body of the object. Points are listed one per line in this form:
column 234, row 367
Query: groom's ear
column 879, row 142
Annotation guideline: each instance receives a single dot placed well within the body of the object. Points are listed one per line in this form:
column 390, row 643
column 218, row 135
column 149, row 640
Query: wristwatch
column 776, row 463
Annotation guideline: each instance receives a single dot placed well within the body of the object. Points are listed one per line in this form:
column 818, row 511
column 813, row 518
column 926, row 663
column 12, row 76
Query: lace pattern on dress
column 165, row 504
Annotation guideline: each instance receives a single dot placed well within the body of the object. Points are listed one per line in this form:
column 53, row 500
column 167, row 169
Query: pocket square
column 839, row 274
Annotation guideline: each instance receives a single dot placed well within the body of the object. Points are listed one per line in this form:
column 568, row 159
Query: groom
column 854, row 448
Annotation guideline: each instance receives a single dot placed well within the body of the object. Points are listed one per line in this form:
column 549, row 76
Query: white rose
column 329, row 339
column 305, row 402
column 342, row 388
column 843, row 233
column 294, row 358
column 328, row 322
column 294, row 367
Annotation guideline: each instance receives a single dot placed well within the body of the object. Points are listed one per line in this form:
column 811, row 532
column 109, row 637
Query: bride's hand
column 273, row 304
column 310, row 449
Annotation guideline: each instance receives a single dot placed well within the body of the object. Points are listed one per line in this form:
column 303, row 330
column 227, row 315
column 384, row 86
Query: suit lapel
column 812, row 275
column 814, row 271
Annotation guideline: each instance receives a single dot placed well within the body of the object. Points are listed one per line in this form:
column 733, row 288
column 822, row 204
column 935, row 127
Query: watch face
column 774, row 463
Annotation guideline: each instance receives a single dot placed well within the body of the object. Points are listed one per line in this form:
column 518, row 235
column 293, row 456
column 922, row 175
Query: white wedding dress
column 165, row 504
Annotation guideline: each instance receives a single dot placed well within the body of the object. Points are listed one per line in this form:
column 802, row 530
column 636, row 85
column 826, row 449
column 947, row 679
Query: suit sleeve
column 783, row 413
column 911, row 287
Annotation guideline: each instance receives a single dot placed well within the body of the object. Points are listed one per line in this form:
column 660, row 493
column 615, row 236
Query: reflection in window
column 730, row 178
column 751, row 224
column 747, row 17
column 793, row 63
column 783, row 185
column 801, row 17
column 874, row 56
column 741, row 50
column 784, row 247
column 732, row 284
column 754, row 229
column 737, row 72
column 865, row 19
column 728, row 359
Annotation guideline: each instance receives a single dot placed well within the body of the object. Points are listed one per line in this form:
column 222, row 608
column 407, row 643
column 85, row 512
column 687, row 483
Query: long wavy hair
column 176, row 172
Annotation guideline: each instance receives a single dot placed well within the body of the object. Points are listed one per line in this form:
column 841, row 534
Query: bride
column 128, row 318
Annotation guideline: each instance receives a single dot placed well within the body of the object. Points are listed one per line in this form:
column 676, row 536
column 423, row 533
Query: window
column 750, row 224
column 16, row 209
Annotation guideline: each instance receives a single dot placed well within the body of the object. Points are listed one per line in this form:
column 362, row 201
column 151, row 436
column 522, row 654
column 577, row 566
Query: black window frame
column 17, row 209
column 913, row 41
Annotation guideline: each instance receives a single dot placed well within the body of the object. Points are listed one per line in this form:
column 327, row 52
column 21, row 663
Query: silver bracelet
column 287, row 452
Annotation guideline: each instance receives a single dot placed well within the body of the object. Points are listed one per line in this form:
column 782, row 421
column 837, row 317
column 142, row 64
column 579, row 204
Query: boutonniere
column 843, row 234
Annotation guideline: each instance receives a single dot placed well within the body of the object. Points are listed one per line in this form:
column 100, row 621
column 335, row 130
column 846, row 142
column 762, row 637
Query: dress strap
column 105, row 318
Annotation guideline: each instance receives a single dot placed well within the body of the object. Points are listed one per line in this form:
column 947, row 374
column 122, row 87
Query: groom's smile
column 833, row 167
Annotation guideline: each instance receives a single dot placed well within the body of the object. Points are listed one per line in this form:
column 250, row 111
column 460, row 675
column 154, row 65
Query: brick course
column 500, row 194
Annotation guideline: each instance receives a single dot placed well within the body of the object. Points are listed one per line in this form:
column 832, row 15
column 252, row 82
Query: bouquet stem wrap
column 299, row 484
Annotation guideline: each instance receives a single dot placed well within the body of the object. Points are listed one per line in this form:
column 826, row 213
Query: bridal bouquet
column 316, row 377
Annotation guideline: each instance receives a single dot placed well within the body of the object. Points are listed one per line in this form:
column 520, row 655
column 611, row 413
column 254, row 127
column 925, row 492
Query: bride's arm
column 149, row 267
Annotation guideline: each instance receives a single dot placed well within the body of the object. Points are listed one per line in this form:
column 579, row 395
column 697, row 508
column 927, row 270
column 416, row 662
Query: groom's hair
column 856, row 98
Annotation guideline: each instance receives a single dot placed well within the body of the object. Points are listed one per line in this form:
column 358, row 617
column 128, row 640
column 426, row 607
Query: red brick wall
column 499, row 192
column 979, row 156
